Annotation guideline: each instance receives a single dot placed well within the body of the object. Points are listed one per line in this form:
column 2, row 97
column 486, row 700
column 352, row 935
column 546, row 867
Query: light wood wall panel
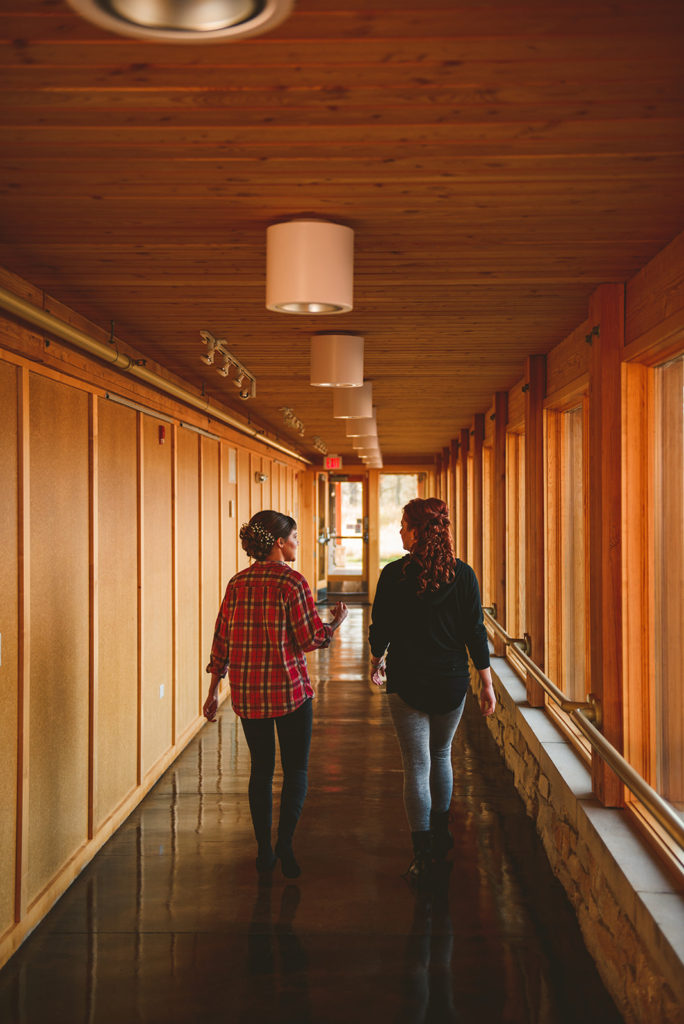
column 244, row 501
column 189, row 655
column 157, row 605
column 59, row 601
column 211, row 569
column 117, row 652
column 9, row 618
column 229, row 524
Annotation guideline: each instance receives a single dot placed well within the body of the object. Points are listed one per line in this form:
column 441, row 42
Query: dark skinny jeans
column 294, row 740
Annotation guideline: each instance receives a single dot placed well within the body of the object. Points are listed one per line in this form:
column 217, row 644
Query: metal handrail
column 584, row 715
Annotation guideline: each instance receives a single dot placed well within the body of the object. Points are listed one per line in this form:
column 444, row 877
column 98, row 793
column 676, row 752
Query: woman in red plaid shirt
column 266, row 622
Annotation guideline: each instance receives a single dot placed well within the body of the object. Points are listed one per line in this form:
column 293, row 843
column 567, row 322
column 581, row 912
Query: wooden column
column 438, row 475
column 499, row 512
column 462, row 536
column 453, row 490
column 476, row 440
column 535, row 389
column 446, row 469
column 606, row 312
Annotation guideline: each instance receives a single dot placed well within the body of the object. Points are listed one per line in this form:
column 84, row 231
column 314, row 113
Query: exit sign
column 332, row 462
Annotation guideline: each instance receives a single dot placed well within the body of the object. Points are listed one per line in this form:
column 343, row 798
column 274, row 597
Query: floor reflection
column 170, row 922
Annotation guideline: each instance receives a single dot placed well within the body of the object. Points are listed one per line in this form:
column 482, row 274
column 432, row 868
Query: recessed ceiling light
column 185, row 21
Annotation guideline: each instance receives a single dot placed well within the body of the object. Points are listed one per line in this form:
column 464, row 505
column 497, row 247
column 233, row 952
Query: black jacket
column 426, row 637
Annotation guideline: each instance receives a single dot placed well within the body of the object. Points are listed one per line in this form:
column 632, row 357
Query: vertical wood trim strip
column 535, row 382
column 141, row 605
column 24, row 652
column 477, row 439
column 464, row 442
column 94, row 556
column 606, row 309
column 200, row 556
column 453, row 490
column 175, row 674
column 499, row 511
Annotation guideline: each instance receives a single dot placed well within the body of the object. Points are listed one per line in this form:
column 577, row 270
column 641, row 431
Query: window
column 669, row 579
column 488, row 583
column 515, row 534
column 567, row 610
column 396, row 489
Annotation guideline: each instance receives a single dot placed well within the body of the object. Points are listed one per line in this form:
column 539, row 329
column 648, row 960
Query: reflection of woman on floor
column 266, row 622
column 426, row 612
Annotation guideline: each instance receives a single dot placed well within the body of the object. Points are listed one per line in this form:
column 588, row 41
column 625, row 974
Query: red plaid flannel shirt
column 266, row 622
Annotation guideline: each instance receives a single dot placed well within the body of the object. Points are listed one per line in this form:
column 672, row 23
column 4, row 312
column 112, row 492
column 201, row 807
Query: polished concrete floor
column 170, row 923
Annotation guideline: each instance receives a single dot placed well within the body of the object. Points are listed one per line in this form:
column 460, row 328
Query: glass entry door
column 322, row 535
column 348, row 546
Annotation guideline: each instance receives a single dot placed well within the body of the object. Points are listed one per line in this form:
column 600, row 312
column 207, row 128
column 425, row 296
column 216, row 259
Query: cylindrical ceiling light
column 178, row 21
column 353, row 403
column 309, row 267
column 366, row 427
column 361, row 444
column 336, row 360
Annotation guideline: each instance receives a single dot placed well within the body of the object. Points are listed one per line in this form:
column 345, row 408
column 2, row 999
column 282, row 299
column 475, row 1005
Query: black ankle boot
column 442, row 840
column 288, row 863
column 266, row 858
column 419, row 870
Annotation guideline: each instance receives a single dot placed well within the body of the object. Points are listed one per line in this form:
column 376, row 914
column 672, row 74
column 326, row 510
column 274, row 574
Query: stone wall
column 630, row 913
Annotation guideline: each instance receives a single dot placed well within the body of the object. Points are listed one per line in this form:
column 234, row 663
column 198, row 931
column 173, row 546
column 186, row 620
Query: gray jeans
column 425, row 742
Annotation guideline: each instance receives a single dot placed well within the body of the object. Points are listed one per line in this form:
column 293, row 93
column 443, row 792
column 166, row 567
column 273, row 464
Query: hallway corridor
column 170, row 924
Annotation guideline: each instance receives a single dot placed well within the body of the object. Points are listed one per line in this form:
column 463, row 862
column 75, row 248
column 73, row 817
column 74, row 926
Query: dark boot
column 442, row 840
column 288, row 862
column 266, row 858
column 419, row 869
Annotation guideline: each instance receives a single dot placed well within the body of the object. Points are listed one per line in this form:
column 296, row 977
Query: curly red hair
column 433, row 553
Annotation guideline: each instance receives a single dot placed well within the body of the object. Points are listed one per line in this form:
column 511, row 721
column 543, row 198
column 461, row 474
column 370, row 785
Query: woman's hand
column 377, row 671
column 210, row 708
column 339, row 614
column 487, row 695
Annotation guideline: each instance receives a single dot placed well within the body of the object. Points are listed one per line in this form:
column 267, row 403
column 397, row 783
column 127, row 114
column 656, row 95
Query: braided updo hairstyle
column 433, row 553
column 262, row 531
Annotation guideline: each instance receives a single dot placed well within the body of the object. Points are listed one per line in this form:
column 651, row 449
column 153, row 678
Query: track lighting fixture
column 243, row 380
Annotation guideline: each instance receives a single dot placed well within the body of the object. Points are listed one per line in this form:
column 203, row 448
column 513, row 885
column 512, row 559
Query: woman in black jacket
column 426, row 612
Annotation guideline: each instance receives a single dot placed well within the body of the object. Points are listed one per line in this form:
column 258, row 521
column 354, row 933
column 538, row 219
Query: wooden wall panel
column 9, row 618
column 189, row 655
column 211, row 568
column 654, row 304
column 516, row 407
column 244, row 501
column 59, row 600
column 157, row 605
column 568, row 361
column 229, row 524
column 117, row 651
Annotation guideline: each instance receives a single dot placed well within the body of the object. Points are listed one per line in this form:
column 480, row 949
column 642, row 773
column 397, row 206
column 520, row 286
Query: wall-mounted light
column 309, row 267
column 336, row 360
column 243, row 380
column 260, row 478
column 353, row 403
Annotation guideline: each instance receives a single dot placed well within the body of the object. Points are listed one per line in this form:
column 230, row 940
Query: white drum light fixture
column 336, row 360
column 185, row 21
column 366, row 427
column 309, row 267
column 353, row 403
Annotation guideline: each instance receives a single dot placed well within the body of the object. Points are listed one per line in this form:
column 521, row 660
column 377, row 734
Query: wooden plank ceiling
column 496, row 159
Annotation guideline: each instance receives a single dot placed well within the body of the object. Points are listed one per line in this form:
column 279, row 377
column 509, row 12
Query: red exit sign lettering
column 332, row 462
